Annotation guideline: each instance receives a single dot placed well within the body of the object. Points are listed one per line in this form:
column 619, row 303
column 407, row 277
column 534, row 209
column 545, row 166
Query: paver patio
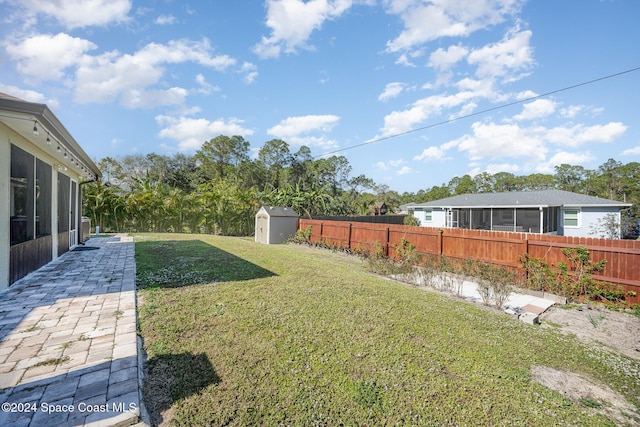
column 68, row 342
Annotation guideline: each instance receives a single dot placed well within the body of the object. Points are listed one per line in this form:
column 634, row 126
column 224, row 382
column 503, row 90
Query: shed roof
column 277, row 211
column 543, row 198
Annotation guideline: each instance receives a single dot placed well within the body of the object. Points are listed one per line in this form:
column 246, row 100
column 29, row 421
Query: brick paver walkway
column 68, row 343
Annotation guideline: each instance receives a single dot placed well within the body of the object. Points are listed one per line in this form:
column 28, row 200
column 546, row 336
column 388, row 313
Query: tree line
column 220, row 188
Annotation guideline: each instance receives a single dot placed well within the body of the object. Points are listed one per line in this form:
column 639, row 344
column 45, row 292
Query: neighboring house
column 378, row 208
column 545, row 212
column 275, row 224
column 42, row 170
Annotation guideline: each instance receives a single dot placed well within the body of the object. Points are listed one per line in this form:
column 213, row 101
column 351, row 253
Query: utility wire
column 477, row 113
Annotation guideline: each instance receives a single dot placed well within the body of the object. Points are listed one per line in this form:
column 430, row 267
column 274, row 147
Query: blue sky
column 134, row 77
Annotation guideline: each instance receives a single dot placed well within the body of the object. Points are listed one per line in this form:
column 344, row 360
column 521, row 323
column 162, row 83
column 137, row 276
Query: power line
column 477, row 113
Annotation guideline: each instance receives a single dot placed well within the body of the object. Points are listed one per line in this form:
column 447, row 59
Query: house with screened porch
column 556, row 212
column 42, row 171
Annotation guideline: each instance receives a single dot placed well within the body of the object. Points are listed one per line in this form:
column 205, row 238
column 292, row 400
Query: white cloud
column 191, row 133
column 536, row 109
column 571, row 111
column 445, row 59
column 165, row 20
column 635, row 151
column 396, row 164
column 564, row 157
column 391, row 91
column 502, row 167
column 578, row 135
column 299, row 130
column 425, row 21
column 495, row 141
column 205, row 87
column 405, row 170
column 398, row 122
column 250, row 72
column 140, row 98
column 46, row 57
column 513, row 54
column 113, row 76
column 404, row 60
column 79, row 13
column 292, row 22
column 432, row 154
column 293, row 126
column 490, row 141
column 29, row 95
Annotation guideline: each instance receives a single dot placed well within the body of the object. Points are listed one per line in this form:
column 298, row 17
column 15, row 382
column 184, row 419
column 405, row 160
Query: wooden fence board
column 499, row 248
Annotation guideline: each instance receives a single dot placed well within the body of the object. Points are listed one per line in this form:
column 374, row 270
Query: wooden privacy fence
column 494, row 247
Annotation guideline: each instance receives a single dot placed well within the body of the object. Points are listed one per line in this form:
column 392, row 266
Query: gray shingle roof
column 542, row 198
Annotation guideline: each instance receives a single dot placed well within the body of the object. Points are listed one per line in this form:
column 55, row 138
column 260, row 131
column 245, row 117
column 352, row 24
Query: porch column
column 541, row 219
column 54, row 211
column 5, row 212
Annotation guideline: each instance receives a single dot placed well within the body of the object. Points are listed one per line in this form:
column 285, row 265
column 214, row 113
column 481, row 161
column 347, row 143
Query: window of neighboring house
column 571, row 217
column 428, row 215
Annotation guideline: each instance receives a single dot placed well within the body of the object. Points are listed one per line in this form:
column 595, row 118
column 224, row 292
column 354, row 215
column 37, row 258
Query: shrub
column 302, row 236
column 540, row 277
column 411, row 220
column 577, row 274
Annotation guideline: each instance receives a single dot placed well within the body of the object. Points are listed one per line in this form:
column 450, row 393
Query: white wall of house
column 419, row 214
column 438, row 218
column 430, row 217
column 590, row 219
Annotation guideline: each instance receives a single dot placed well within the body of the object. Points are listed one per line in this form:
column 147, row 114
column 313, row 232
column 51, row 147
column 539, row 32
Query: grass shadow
column 176, row 263
column 172, row 377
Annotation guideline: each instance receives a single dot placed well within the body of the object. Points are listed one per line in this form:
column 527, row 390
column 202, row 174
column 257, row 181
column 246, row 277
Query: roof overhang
column 21, row 116
column 603, row 205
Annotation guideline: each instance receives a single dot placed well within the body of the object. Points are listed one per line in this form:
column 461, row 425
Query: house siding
column 21, row 258
column 589, row 219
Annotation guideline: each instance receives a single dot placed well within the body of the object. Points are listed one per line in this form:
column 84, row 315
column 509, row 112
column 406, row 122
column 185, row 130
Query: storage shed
column 275, row 224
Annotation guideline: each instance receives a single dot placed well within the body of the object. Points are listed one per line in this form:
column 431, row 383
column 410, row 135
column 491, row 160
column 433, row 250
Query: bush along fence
column 600, row 269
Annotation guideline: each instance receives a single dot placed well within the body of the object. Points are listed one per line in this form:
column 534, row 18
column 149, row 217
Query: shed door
column 262, row 229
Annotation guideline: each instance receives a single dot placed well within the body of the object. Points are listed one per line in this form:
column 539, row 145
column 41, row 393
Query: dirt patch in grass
column 601, row 327
column 588, row 393
column 597, row 326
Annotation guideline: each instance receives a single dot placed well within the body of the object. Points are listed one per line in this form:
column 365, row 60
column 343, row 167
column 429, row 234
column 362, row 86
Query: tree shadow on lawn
column 176, row 263
column 171, row 377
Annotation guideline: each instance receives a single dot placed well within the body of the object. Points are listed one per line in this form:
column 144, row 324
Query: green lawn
column 239, row 333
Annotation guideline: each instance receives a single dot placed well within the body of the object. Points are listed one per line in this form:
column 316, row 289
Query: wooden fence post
column 349, row 237
column 387, row 244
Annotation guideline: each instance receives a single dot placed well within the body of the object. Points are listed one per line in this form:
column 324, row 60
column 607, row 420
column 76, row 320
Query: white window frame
column 428, row 215
column 578, row 218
